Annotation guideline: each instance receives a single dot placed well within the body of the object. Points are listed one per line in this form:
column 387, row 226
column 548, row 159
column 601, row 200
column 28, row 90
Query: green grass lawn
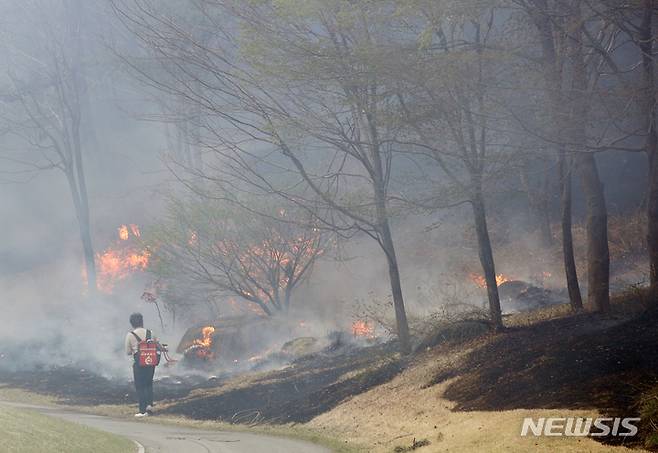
column 25, row 431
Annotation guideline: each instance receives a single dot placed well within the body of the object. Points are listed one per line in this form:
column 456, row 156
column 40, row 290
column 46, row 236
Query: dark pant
column 144, row 385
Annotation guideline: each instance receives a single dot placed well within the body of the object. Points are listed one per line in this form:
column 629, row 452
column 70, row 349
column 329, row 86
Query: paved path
column 152, row 437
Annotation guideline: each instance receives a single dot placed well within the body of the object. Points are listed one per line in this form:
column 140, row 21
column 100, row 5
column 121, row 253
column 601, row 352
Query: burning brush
column 202, row 349
column 481, row 282
column 363, row 329
column 121, row 260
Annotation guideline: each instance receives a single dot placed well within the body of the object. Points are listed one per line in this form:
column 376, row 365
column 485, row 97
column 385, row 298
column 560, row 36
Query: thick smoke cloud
column 45, row 317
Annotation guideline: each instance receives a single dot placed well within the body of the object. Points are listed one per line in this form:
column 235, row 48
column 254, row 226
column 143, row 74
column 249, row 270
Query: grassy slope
column 30, row 432
column 409, row 408
column 405, row 409
column 394, row 414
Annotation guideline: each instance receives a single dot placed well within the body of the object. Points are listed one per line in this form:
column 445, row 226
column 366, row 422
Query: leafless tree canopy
column 348, row 117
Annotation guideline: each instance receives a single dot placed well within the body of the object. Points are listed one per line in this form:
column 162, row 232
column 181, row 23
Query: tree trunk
column 386, row 238
column 560, row 124
column 486, row 258
column 77, row 109
column 567, row 238
column 396, row 288
column 651, row 146
column 598, row 258
column 83, row 205
column 652, row 223
column 90, row 264
column 82, row 217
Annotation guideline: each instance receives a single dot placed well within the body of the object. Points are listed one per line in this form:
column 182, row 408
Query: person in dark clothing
column 143, row 375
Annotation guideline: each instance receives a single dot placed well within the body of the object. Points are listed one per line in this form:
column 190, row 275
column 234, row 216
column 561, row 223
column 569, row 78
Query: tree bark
column 652, row 221
column 651, row 146
column 82, row 216
column 83, row 206
column 386, row 237
column 570, row 271
column 90, row 264
column 598, row 258
column 396, row 289
column 559, row 124
column 486, row 258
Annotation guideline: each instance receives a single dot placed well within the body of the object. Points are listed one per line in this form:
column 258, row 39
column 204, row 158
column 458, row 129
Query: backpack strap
column 139, row 340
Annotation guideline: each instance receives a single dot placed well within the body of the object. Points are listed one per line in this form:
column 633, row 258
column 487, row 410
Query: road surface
column 152, row 437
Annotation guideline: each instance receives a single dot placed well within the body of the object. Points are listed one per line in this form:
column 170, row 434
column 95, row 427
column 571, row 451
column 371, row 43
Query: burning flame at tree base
column 481, row 282
column 119, row 261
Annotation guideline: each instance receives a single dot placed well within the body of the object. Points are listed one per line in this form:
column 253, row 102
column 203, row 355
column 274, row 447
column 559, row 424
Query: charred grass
column 309, row 386
column 296, row 394
column 71, row 385
column 545, row 360
column 585, row 361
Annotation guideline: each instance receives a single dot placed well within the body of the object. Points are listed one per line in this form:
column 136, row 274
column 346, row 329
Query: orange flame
column 116, row 265
column 204, row 344
column 275, row 256
column 362, row 328
column 481, row 282
column 121, row 260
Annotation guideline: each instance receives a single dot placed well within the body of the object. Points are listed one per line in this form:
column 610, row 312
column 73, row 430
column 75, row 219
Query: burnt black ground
column 79, row 386
column 586, row 361
column 578, row 362
column 308, row 387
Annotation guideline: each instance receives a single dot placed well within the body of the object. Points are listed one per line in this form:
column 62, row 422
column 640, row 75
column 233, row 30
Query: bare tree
column 230, row 252
column 43, row 98
column 448, row 101
column 647, row 36
column 571, row 74
column 636, row 22
column 296, row 97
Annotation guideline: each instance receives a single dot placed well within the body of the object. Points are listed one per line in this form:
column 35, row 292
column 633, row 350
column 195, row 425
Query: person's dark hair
column 136, row 320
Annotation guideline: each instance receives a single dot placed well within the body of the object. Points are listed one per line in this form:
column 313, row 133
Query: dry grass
column 528, row 318
column 649, row 415
column 633, row 300
column 406, row 413
column 626, row 238
column 394, row 414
